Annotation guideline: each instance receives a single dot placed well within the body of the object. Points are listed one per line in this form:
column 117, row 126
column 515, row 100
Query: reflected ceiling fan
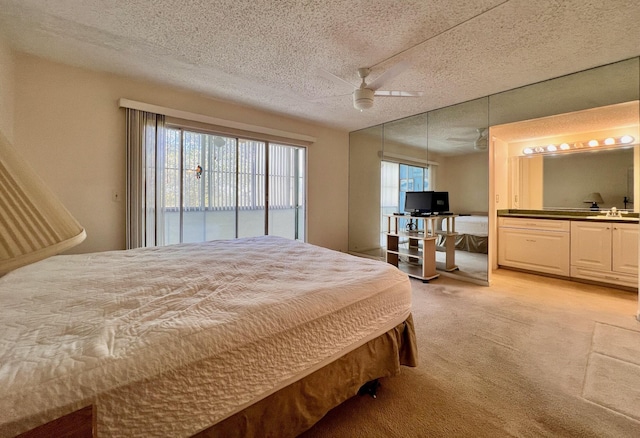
column 480, row 143
column 364, row 94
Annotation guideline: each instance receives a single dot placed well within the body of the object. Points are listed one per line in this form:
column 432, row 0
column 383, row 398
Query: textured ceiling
column 269, row 54
column 588, row 121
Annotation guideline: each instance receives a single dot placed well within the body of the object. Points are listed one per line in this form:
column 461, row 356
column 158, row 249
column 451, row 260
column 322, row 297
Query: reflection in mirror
column 443, row 150
column 482, row 125
column 565, row 185
column 457, row 138
column 601, row 86
column 555, row 162
column 405, row 163
column 597, row 88
column 365, row 150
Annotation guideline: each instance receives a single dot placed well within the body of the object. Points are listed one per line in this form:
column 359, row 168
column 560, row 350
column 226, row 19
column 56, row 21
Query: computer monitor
column 439, row 202
column 418, row 202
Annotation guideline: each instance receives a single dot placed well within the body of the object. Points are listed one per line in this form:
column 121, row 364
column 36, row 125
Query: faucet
column 613, row 212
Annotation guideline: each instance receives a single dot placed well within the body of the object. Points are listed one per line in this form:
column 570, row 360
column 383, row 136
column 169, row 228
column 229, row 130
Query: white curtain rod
column 392, row 156
column 141, row 106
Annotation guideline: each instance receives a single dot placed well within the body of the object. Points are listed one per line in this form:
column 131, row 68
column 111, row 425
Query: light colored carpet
column 527, row 357
column 613, row 372
column 470, row 264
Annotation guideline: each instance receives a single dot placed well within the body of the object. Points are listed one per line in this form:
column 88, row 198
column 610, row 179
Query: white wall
column 68, row 125
column 7, row 87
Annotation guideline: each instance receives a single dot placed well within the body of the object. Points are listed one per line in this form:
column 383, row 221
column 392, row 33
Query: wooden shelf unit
column 414, row 252
column 420, row 254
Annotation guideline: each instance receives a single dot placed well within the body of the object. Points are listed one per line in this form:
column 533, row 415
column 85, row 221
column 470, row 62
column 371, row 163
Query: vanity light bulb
column 593, row 143
column 552, row 148
column 626, row 139
column 609, row 141
column 539, row 149
column 527, row 151
column 565, row 146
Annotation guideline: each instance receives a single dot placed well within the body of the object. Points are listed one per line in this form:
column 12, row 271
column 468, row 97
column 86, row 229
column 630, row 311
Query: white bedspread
column 166, row 341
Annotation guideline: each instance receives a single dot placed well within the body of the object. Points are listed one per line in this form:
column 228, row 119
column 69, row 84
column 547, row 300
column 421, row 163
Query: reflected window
column 412, row 179
column 396, row 180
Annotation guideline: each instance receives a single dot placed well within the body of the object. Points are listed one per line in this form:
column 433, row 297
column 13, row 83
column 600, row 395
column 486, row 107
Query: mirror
column 457, row 139
column 443, row 141
column 566, row 188
column 443, row 150
column 556, row 180
column 365, row 150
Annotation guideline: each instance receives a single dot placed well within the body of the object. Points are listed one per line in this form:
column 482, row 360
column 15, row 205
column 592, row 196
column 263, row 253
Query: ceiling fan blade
column 394, row 93
column 460, row 139
column 330, row 76
column 389, row 74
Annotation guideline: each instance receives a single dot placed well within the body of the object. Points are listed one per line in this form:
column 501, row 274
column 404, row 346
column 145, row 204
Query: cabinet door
column 625, row 248
column 591, row 245
column 541, row 251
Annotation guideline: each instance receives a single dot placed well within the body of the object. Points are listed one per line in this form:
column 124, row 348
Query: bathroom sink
column 613, row 218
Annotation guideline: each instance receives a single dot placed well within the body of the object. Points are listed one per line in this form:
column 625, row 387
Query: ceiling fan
column 479, row 143
column 364, row 94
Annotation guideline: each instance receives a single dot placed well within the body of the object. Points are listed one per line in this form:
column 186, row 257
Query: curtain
column 145, row 175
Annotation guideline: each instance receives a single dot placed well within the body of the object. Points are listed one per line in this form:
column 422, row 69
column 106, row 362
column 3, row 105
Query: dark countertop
column 568, row 215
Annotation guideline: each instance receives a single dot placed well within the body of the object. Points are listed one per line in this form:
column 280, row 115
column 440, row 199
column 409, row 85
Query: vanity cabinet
column 605, row 252
column 540, row 245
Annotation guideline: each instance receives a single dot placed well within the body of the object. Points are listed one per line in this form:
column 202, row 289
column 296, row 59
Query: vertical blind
column 178, row 178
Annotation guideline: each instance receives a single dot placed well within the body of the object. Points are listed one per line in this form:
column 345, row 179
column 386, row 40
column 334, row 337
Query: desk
column 421, row 245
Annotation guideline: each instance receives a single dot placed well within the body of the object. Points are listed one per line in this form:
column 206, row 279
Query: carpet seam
column 586, row 368
column 617, row 326
column 634, row 419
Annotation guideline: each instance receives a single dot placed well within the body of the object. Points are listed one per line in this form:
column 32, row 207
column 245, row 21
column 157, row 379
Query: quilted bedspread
column 166, row 341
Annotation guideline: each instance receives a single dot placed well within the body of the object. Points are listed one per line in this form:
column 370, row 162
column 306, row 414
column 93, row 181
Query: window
column 220, row 187
column 395, row 180
column 412, row 179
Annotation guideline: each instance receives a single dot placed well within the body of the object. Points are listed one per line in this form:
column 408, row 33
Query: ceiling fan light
column 363, row 98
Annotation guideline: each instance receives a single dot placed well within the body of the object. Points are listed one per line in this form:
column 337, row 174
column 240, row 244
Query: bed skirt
column 297, row 407
column 293, row 409
column 468, row 242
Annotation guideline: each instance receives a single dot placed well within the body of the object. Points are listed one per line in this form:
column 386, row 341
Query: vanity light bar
column 551, row 148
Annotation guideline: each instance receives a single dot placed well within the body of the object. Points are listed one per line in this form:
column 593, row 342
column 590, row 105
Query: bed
column 473, row 232
column 248, row 337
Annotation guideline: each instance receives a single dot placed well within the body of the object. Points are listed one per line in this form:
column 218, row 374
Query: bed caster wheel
column 370, row 388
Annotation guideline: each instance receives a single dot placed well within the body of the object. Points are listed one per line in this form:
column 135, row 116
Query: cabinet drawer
column 533, row 250
column 618, row 278
column 535, row 224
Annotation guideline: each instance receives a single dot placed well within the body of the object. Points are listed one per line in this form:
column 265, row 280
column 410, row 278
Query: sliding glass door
column 286, row 191
column 251, row 188
column 220, row 187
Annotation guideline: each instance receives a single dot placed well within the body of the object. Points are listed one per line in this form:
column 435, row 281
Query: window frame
column 182, row 128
